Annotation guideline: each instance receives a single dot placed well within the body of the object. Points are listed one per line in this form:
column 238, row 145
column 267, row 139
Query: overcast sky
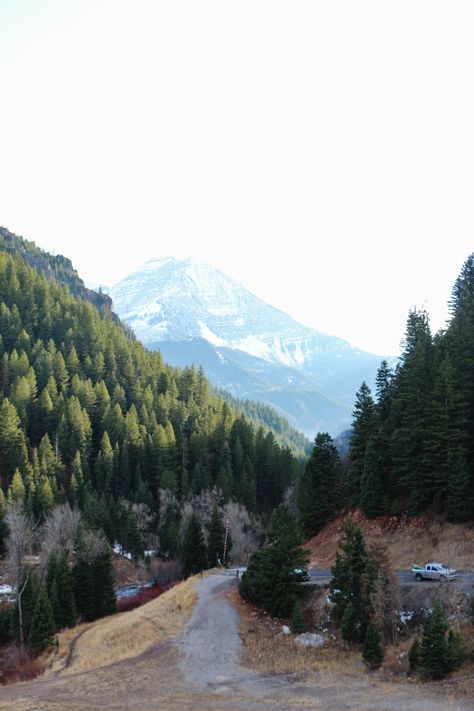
column 322, row 153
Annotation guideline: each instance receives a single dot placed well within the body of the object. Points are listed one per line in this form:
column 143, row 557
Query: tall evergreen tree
column 372, row 491
column 215, row 540
column 372, row 650
column 363, row 427
column 42, row 624
column 269, row 580
column 353, row 577
column 318, row 487
column 65, row 592
column 433, row 658
column 194, row 553
column 410, row 406
column 460, row 500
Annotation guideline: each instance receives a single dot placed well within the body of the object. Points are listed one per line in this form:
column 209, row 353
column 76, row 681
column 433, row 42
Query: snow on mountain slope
column 171, row 300
column 196, row 314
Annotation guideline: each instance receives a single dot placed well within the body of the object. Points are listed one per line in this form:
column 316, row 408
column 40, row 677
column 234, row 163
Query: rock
column 309, row 639
column 285, row 629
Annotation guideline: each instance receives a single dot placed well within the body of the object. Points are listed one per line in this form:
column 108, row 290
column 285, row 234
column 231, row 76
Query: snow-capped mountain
column 175, row 304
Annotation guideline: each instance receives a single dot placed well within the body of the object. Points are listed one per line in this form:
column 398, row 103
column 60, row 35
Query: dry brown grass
column 445, row 542
column 266, row 649
column 127, row 634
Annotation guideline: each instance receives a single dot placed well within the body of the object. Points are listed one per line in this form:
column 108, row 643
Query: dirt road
column 200, row 669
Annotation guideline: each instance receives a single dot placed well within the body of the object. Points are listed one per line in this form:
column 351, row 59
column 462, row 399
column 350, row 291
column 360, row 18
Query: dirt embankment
column 406, row 539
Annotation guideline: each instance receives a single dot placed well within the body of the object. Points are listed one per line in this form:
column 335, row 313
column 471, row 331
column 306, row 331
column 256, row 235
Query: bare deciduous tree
column 19, row 541
column 245, row 531
column 93, row 545
column 59, row 531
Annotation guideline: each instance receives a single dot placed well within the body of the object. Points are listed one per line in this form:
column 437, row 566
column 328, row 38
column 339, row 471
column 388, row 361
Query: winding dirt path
column 200, row 669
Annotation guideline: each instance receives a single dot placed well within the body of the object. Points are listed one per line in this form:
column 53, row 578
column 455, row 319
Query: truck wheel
column 443, row 578
column 418, row 577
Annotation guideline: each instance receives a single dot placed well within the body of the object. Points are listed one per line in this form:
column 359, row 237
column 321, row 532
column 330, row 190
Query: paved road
column 405, row 577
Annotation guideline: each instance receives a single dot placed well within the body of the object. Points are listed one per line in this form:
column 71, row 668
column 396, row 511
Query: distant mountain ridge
column 196, row 314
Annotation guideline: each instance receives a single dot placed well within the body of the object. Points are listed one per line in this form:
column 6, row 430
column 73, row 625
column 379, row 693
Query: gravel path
column 210, row 661
column 210, row 642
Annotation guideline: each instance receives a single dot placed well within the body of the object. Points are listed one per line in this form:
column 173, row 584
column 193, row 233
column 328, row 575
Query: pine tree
column 269, row 580
column 297, row 620
column 353, row 579
column 215, row 540
column 372, row 650
column 194, row 555
column 67, row 614
column 371, row 489
column 350, row 624
column 410, row 409
column 363, row 428
column 414, row 655
column 434, row 654
column 318, row 486
column 133, row 539
column 83, row 585
column 104, row 465
column 456, row 651
column 42, row 624
column 105, row 602
column 16, row 490
column 460, row 501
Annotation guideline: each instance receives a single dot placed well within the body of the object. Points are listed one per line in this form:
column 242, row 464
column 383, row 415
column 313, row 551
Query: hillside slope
column 406, row 540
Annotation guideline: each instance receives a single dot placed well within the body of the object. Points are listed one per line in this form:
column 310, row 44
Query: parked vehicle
column 301, row 575
column 433, row 571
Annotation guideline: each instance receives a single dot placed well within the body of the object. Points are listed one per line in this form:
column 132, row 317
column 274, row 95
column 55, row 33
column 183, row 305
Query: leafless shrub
column 164, row 572
column 18, row 664
column 93, row 544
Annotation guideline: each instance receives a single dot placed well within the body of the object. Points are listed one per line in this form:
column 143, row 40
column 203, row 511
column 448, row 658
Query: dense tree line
column 262, row 415
column 412, row 444
column 89, row 416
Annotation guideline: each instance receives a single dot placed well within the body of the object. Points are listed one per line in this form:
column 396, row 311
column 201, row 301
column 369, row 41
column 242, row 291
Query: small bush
column 165, row 571
column 414, row 655
column 18, row 664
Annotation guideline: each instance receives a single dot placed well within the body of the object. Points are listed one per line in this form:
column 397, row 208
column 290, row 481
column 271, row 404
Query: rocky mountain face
column 54, row 267
column 196, row 314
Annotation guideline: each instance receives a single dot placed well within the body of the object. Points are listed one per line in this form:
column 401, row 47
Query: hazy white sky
column 322, row 153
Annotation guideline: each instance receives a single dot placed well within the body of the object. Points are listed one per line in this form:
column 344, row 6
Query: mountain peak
column 171, row 299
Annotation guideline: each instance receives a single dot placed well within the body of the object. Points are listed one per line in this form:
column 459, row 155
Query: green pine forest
column 412, row 441
column 412, row 444
column 90, row 417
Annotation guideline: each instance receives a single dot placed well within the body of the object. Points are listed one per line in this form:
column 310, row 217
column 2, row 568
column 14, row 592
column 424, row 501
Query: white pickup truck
column 433, row 571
